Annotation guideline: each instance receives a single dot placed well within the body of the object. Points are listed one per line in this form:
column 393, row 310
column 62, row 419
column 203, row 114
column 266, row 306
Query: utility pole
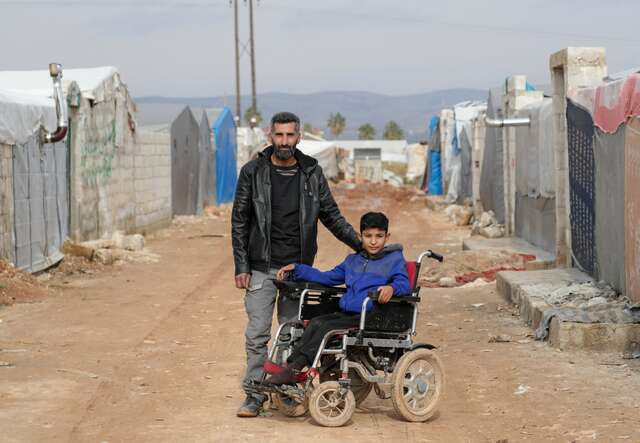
column 254, row 105
column 235, row 16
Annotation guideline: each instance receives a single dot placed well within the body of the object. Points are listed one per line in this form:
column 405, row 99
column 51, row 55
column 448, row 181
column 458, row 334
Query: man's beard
column 284, row 152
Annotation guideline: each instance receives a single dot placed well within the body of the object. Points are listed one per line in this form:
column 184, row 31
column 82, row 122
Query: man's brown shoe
column 250, row 407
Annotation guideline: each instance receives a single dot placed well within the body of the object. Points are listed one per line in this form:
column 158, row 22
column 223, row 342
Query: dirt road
column 154, row 352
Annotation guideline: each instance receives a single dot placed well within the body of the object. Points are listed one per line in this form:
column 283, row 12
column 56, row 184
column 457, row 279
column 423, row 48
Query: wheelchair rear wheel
column 417, row 384
column 330, row 405
column 288, row 406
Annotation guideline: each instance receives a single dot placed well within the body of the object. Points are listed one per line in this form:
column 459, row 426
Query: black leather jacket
column 251, row 216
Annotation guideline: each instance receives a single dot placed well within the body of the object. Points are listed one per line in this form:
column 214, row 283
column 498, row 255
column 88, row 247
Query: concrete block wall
column 7, row 251
column 102, row 178
column 152, row 172
column 120, row 180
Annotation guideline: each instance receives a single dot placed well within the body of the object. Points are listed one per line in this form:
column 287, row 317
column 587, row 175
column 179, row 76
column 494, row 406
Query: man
column 279, row 198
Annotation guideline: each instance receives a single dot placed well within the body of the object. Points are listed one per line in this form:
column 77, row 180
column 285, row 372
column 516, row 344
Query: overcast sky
column 185, row 47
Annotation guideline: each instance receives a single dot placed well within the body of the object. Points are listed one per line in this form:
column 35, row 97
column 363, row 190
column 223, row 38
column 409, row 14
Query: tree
column 249, row 113
column 393, row 131
column 336, row 123
column 366, row 132
column 307, row 128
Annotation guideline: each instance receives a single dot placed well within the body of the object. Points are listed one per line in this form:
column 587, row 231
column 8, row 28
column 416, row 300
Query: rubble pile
column 465, row 267
column 18, row 286
column 120, row 247
column 487, row 226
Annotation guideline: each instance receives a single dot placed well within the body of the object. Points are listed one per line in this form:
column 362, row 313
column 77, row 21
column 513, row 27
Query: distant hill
column 412, row 112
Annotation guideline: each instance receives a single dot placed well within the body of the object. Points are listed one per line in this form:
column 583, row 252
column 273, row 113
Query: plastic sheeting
column 40, row 203
column 185, row 164
column 632, row 210
column 610, row 206
column 434, row 186
column 26, row 103
column 610, row 104
column 21, row 115
column 324, row 152
column 535, row 221
column 492, row 175
column 224, row 130
column 535, row 167
column 466, row 176
column 463, row 114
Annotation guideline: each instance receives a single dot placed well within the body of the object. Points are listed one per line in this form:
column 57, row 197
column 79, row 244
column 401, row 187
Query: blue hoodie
column 362, row 274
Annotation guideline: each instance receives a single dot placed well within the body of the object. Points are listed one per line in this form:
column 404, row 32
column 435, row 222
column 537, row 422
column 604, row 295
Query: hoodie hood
column 393, row 247
column 306, row 163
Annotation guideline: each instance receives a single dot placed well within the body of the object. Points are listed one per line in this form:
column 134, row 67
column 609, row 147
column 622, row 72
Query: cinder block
column 604, row 337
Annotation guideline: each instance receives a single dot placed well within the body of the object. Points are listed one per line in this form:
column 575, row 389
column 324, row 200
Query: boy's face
column 373, row 240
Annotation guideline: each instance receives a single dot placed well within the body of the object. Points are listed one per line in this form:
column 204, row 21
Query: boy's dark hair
column 285, row 117
column 374, row 220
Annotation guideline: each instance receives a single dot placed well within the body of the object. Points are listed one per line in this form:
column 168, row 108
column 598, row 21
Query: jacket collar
column 306, row 162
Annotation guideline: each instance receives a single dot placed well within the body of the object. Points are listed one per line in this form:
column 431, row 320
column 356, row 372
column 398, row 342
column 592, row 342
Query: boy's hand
column 384, row 294
column 282, row 270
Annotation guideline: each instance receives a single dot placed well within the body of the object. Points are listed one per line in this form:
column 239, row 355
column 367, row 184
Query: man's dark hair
column 374, row 220
column 285, row 117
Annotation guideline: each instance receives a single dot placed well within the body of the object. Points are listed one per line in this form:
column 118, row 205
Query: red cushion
column 411, row 270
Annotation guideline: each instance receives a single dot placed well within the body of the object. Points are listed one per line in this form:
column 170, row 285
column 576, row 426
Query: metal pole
column 235, row 16
column 253, row 59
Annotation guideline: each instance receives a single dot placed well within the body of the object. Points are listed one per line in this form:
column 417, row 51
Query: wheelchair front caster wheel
column 417, row 384
column 331, row 407
column 288, row 406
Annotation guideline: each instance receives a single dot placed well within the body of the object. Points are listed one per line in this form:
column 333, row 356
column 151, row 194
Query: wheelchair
column 377, row 355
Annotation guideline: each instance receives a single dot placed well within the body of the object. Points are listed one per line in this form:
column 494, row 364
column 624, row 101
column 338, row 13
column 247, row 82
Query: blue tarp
column 224, row 129
column 434, row 187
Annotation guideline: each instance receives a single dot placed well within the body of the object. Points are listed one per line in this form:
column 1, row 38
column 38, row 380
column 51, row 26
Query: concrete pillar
column 477, row 155
column 570, row 68
column 516, row 97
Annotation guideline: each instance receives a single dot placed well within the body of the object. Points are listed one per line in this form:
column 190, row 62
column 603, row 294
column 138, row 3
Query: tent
column 324, row 152
column 224, row 130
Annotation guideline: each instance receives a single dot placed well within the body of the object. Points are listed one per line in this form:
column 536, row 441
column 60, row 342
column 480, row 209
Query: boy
column 376, row 268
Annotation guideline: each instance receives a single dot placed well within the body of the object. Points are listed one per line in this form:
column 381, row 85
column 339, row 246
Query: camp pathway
column 155, row 352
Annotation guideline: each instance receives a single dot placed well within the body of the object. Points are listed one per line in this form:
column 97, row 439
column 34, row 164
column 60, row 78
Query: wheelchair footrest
column 259, row 387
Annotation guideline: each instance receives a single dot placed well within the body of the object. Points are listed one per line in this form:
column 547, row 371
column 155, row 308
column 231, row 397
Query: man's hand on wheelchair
column 384, row 294
column 281, row 274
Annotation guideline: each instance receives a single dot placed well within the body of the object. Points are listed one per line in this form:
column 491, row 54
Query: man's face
column 284, row 138
column 374, row 239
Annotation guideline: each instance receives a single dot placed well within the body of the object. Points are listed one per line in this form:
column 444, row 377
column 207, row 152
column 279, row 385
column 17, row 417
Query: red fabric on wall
column 615, row 103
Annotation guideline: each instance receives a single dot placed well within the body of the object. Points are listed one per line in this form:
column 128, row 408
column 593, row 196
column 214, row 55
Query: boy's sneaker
column 250, row 407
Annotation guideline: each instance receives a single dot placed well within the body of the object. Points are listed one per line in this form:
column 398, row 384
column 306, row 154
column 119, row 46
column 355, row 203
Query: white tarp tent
column 324, row 152
column 392, row 150
column 26, row 101
column 22, row 115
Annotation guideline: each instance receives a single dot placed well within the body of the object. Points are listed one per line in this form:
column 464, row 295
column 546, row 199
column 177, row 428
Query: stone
column 447, row 282
column 487, row 219
column 463, row 216
column 133, row 242
column 492, row 231
column 78, row 250
column 104, row 256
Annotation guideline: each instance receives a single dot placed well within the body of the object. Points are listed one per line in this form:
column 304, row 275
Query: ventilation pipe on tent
column 502, row 122
column 55, row 70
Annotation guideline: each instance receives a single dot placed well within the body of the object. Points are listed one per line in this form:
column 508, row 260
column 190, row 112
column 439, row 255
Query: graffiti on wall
column 97, row 153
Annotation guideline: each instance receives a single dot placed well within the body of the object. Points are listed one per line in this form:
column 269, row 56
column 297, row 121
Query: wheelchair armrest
column 395, row 298
column 299, row 286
